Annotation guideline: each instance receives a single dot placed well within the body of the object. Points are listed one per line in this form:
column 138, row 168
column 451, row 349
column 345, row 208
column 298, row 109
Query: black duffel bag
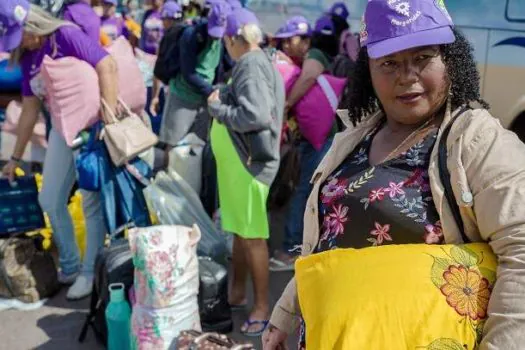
column 214, row 309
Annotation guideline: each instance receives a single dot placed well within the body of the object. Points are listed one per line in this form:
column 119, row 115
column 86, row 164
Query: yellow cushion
column 396, row 297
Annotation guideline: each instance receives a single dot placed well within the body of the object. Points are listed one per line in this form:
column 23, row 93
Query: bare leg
column 240, row 273
column 256, row 251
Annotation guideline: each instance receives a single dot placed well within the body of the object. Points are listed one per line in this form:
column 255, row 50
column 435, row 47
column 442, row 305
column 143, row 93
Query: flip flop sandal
column 249, row 323
column 277, row 265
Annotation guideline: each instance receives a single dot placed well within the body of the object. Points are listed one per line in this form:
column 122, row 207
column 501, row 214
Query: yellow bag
column 77, row 216
column 396, row 297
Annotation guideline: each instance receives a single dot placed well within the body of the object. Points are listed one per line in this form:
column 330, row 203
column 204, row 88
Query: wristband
column 15, row 159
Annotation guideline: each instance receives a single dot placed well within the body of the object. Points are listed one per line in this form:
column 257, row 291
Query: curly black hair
column 360, row 98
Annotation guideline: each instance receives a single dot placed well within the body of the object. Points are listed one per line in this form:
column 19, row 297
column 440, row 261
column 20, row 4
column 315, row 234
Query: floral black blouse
column 391, row 203
column 361, row 205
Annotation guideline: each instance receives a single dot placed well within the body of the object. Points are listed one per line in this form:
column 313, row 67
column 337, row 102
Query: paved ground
column 58, row 323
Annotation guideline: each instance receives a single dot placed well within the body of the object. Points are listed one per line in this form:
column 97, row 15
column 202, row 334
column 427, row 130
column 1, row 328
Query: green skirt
column 242, row 197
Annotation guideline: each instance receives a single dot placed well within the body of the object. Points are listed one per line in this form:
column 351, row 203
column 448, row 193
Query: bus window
column 515, row 11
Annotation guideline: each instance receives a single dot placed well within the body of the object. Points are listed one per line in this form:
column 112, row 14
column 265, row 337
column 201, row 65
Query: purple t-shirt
column 83, row 16
column 152, row 32
column 113, row 27
column 70, row 42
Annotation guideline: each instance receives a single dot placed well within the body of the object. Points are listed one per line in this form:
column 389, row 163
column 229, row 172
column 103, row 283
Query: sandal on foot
column 249, row 323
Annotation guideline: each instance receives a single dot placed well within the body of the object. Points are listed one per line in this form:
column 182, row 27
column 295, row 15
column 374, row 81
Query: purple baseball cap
column 339, row 9
column 238, row 19
column 110, row 2
column 13, row 14
column 324, row 25
column 295, row 26
column 217, row 18
column 171, row 10
column 390, row 26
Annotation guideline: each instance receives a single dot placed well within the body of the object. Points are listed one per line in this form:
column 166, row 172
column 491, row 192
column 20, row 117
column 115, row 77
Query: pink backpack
column 315, row 112
column 131, row 86
column 73, row 95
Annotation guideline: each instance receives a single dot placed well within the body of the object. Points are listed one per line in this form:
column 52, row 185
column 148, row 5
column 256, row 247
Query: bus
column 496, row 28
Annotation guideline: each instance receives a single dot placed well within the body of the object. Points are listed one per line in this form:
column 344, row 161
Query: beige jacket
column 487, row 169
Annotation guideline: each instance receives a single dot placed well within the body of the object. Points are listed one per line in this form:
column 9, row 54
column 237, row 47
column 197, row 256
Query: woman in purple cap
column 152, row 28
column 33, row 33
column 110, row 23
column 416, row 81
column 321, row 51
column 200, row 61
column 245, row 138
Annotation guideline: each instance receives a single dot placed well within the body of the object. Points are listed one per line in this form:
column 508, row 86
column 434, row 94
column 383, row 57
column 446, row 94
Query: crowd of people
column 406, row 80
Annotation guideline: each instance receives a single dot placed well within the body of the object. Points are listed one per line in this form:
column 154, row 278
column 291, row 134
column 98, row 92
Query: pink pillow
column 72, row 93
column 315, row 112
column 10, row 124
column 132, row 89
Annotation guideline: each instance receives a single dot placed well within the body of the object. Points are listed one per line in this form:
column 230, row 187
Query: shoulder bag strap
column 444, row 175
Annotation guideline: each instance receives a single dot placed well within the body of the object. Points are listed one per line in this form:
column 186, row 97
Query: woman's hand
column 107, row 72
column 214, row 97
column 9, row 170
column 154, row 106
column 274, row 339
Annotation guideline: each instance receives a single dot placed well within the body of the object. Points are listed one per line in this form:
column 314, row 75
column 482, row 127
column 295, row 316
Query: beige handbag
column 127, row 136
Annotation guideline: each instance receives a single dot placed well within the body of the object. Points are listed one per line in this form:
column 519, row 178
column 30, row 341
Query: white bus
column 496, row 28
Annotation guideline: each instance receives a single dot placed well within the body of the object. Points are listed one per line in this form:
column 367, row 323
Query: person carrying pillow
column 32, row 33
column 315, row 55
column 414, row 74
column 245, row 139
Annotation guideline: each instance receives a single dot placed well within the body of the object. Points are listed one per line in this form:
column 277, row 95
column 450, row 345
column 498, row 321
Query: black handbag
column 214, row 309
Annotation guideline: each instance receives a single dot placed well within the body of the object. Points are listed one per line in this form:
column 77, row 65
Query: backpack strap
column 444, row 175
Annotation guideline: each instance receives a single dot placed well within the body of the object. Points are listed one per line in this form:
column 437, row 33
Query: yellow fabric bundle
column 77, row 215
column 396, row 297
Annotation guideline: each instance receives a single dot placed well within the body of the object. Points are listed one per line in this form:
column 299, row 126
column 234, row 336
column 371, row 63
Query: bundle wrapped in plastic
column 166, row 284
column 174, row 202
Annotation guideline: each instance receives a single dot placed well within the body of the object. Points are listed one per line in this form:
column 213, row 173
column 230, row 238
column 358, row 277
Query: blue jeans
column 309, row 160
column 58, row 178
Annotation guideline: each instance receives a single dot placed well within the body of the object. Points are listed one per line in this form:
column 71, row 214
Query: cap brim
column 216, row 32
column 12, row 39
column 436, row 36
column 283, row 35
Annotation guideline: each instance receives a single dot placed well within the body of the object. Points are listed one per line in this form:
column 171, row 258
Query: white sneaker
column 81, row 288
column 67, row 279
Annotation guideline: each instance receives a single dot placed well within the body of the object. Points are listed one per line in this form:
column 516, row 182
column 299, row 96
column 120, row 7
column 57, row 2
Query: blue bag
column 19, row 207
column 88, row 162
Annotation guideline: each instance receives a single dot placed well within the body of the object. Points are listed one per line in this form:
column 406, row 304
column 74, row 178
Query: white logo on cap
column 302, row 27
column 403, row 8
column 20, row 13
column 339, row 11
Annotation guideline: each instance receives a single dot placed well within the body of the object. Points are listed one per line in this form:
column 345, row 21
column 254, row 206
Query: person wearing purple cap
column 245, row 138
column 417, row 121
column 294, row 38
column 200, row 60
column 31, row 33
column 172, row 16
column 339, row 9
column 152, row 28
column 111, row 24
column 324, row 46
